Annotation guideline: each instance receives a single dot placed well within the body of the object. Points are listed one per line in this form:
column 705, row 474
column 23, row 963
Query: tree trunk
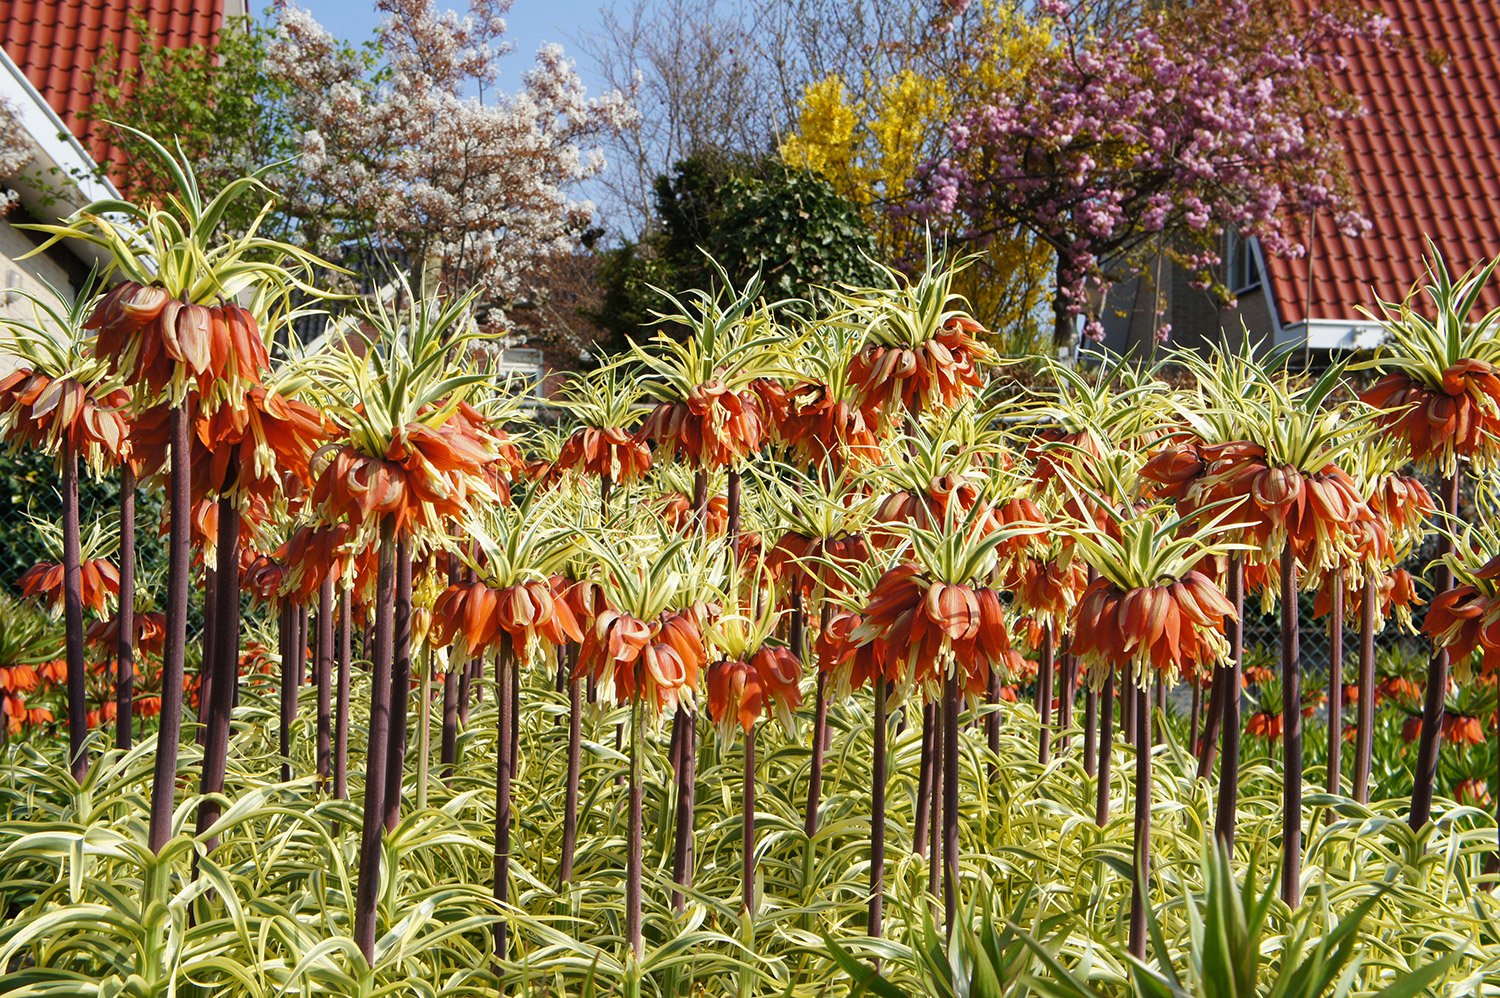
column 1142, row 840
column 747, row 827
column 687, row 775
column 341, row 708
column 400, row 687
column 373, row 827
column 927, row 767
column 324, row 677
column 1425, row 775
column 570, row 793
column 1291, row 731
column 877, row 813
column 289, row 689
column 504, row 664
column 1106, row 749
column 1064, row 329
column 222, row 664
column 1044, row 677
column 1229, row 725
column 1336, row 684
column 78, row 706
column 125, row 640
column 180, row 511
column 951, row 707
column 1364, row 735
column 635, row 835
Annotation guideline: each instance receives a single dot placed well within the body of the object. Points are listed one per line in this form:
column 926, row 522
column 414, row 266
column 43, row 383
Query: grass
column 88, row 911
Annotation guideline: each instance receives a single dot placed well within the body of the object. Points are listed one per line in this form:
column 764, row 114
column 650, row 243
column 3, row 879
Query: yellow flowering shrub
column 870, row 148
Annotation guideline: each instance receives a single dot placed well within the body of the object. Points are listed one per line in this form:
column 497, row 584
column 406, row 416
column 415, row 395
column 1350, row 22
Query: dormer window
column 1241, row 263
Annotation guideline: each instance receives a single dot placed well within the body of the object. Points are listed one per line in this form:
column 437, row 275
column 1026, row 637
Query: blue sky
column 530, row 22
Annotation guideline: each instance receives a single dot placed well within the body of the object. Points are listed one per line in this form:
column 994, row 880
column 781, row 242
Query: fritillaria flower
column 603, row 445
column 708, row 412
column 920, row 349
column 1465, row 620
column 99, row 583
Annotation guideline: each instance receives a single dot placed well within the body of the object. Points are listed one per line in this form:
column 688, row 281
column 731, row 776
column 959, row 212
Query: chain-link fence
column 29, row 494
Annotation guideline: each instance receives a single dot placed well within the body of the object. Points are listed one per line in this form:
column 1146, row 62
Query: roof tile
column 1421, row 159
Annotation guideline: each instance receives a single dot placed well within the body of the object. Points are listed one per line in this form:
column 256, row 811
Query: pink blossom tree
column 1153, row 128
column 420, row 158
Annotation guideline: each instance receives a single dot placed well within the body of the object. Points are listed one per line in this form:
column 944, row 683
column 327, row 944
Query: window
column 1241, row 263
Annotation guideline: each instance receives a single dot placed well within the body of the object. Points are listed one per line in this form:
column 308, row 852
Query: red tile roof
column 57, row 42
column 1424, row 160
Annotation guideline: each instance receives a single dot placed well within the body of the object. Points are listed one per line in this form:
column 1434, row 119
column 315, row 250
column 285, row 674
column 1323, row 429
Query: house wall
column 26, row 275
column 1196, row 317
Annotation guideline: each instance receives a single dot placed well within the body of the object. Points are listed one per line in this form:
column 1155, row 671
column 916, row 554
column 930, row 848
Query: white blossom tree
column 424, row 163
column 15, row 152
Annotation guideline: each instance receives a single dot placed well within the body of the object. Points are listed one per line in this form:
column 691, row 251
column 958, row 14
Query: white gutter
column 1335, row 334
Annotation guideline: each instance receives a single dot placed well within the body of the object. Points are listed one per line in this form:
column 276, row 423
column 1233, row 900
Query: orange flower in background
column 105, row 713
column 315, row 552
column 678, row 511
column 1411, row 728
column 99, row 580
column 264, row 577
column 1398, row 688
column 1460, row 729
column 464, row 614
column 150, row 632
column 740, row 691
column 1175, row 467
column 1048, row 589
column 918, row 619
column 1060, row 455
column 1167, row 627
column 19, row 679
column 823, row 430
column 940, row 370
column 421, row 480
column 813, row 559
column 18, row 716
column 148, row 336
column 268, row 440
column 1460, row 418
column 1472, row 792
column 1318, row 512
column 775, row 404
column 605, row 452
column 714, row 428
column 656, row 663
column 529, row 609
column 59, row 415
column 1464, row 621
column 1404, row 505
column 848, row 662
column 1263, row 724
